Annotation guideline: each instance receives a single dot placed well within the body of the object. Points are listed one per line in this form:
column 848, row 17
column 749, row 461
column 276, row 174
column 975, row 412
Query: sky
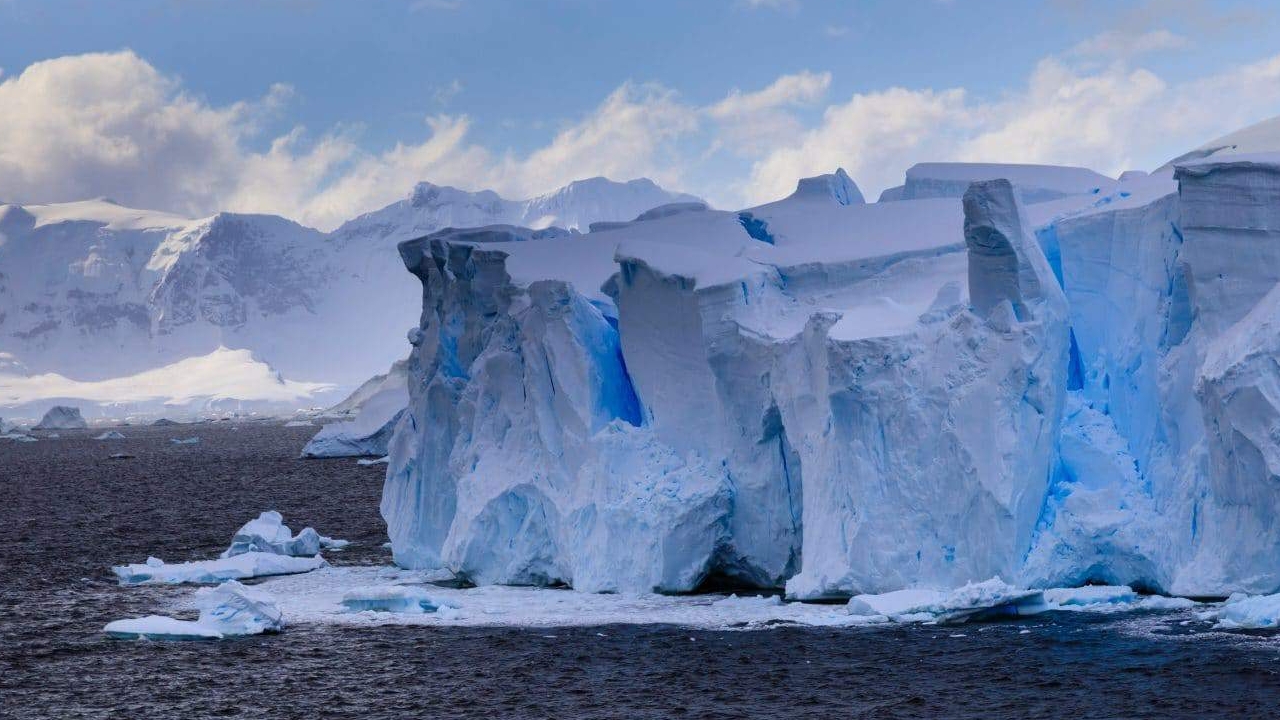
column 320, row 110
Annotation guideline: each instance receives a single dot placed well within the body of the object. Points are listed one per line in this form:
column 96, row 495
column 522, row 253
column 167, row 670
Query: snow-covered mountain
column 844, row 398
column 92, row 291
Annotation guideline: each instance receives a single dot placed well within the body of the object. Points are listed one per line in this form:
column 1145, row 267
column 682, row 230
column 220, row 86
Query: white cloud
column 1110, row 118
column 1117, row 44
column 773, row 4
column 111, row 124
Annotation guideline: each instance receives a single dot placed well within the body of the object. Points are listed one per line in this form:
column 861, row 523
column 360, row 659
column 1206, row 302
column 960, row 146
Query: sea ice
column 208, row 572
column 974, row 601
column 1249, row 613
column 110, row 435
column 185, row 441
column 228, row 610
column 391, row 598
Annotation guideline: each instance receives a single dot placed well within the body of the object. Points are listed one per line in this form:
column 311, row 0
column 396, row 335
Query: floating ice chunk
column 17, row 437
column 185, row 441
column 62, row 417
column 1249, row 613
column 299, row 423
column 974, row 601
column 329, row 543
column 239, row 610
column 159, row 627
column 747, row 602
column 110, row 435
column 209, row 572
column 1161, row 602
column 268, row 533
column 228, row 610
column 374, row 461
column 121, row 456
column 1089, row 596
column 391, row 598
column 369, row 432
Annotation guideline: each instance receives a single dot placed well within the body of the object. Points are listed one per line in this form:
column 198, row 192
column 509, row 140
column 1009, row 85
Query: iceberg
column 17, row 437
column 210, row 572
column 377, row 405
column 62, row 417
column 185, row 441
column 267, row 533
column 110, row 435
column 228, row 610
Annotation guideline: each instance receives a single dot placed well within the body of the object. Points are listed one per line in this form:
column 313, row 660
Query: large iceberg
column 62, row 417
column 798, row 393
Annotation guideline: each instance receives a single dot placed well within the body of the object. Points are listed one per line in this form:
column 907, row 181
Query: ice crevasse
column 842, row 398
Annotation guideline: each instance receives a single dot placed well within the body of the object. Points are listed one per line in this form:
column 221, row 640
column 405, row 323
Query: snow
column 322, row 310
column 224, row 378
column 228, row 610
column 59, row 417
column 208, row 572
column 1036, row 183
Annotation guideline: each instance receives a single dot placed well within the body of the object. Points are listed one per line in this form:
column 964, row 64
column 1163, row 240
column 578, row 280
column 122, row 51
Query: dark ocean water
column 70, row 512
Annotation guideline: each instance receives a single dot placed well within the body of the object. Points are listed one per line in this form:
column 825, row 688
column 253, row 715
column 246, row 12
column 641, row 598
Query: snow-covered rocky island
column 1036, row 373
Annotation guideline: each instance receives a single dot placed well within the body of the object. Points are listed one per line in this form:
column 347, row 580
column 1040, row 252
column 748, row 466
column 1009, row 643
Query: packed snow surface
column 209, row 572
column 228, row 610
column 989, row 599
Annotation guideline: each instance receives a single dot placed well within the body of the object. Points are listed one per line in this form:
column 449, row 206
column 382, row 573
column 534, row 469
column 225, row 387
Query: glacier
column 1031, row 372
column 138, row 312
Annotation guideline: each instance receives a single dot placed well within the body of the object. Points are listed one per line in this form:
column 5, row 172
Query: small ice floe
column 374, row 461
column 268, row 533
column 1102, row 598
column 1243, row 612
column 185, row 441
column 228, row 610
column 209, row 572
column 165, row 422
column 17, row 437
column 120, row 456
column 393, row 599
column 975, row 601
column 299, row 423
column 733, row 602
column 110, row 435
column 329, row 543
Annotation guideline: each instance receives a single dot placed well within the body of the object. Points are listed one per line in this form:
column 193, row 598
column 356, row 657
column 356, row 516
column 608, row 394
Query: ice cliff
column 1069, row 383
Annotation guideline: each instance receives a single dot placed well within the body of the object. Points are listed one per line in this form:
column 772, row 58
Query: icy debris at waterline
column 62, row 417
column 975, row 601
column 268, row 533
column 394, row 599
column 374, row 461
column 228, row 610
column 17, row 437
column 318, row 598
column 299, row 423
column 110, row 435
column 185, row 441
column 209, row 572
column 1241, row 612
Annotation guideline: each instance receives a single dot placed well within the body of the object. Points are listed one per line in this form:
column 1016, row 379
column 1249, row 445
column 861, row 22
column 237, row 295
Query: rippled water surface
column 70, row 512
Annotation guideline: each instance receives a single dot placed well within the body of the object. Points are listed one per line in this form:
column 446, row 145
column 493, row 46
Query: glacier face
column 1070, row 385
